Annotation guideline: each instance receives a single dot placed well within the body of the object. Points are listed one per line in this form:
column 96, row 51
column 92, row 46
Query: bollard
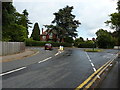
column 62, row 48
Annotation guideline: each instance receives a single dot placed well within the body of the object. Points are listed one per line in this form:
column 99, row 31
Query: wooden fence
column 7, row 48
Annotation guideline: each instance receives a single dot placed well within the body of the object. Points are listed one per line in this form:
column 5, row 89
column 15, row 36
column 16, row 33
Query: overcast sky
column 91, row 13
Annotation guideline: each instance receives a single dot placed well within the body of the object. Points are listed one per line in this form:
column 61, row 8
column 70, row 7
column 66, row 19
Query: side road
column 30, row 56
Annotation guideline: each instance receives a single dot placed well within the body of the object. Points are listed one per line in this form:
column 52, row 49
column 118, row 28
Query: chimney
column 87, row 39
column 42, row 30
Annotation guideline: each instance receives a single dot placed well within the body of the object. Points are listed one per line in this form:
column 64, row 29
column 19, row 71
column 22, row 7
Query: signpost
column 93, row 39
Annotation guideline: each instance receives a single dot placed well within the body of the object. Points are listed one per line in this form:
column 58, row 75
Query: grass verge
column 93, row 50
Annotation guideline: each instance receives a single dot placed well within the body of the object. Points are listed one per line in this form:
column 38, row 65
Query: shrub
column 86, row 44
column 31, row 42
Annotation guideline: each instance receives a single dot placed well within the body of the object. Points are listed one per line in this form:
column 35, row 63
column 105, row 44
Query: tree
column 26, row 21
column 64, row 24
column 115, row 36
column 12, row 24
column 69, row 40
column 19, row 34
column 78, row 41
column 114, row 21
column 36, row 32
column 104, row 39
column 8, row 18
column 22, row 19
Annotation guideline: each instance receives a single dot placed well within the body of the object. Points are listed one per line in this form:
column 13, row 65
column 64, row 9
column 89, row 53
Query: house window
column 44, row 37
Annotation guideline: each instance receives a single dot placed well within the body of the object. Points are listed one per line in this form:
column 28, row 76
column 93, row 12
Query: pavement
column 18, row 56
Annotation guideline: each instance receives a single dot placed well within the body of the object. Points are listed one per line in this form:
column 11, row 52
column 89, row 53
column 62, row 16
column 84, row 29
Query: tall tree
column 12, row 24
column 26, row 21
column 64, row 24
column 8, row 18
column 22, row 19
column 36, row 32
column 114, row 21
column 104, row 39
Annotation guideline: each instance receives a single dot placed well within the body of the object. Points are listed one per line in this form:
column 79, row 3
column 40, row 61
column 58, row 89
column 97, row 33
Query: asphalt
column 31, row 58
column 112, row 80
column 67, row 70
column 61, row 71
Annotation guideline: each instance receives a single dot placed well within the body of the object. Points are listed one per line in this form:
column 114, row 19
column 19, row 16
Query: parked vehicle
column 48, row 46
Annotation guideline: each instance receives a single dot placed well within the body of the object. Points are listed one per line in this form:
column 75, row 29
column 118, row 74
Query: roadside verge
column 18, row 56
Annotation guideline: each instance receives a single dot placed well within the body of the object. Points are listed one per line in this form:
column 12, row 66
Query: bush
column 31, row 42
column 86, row 44
column 69, row 40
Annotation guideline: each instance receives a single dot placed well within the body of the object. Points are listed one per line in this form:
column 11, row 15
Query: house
column 48, row 36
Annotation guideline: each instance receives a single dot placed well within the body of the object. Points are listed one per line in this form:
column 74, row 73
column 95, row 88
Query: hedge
column 86, row 44
column 41, row 43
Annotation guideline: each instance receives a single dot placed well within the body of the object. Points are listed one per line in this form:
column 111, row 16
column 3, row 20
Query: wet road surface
column 66, row 70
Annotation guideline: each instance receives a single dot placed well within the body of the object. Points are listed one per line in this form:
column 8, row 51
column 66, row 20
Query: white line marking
column 59, row 52
column 56, row 54
column 12, row 71
column 88, row 56
column 94, row 69
column 45, row 60
column 92, row 64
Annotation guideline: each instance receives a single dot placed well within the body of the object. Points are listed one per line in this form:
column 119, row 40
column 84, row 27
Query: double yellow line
column 90, row 79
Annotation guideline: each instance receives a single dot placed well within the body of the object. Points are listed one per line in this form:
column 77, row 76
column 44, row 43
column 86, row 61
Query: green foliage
column 69, row 40
column 104, row 39
column 64, row 24
column 31, row 42
column 18, row 35
column 36, row 32
column 116, row 36
column 8, row 13
column 86, row 44
column 13, row 27
column 78, row 41
column 114, row 22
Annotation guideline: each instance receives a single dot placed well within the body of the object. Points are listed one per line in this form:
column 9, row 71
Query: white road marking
column 45, row 60
column 88, row 56
column 56, row 54
column 92, row 64
column 59, row 52
column 94, row 69
column 12, row 71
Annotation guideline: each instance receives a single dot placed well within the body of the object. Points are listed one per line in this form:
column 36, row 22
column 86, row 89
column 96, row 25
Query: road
column 66, row 70
column 28, row 60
